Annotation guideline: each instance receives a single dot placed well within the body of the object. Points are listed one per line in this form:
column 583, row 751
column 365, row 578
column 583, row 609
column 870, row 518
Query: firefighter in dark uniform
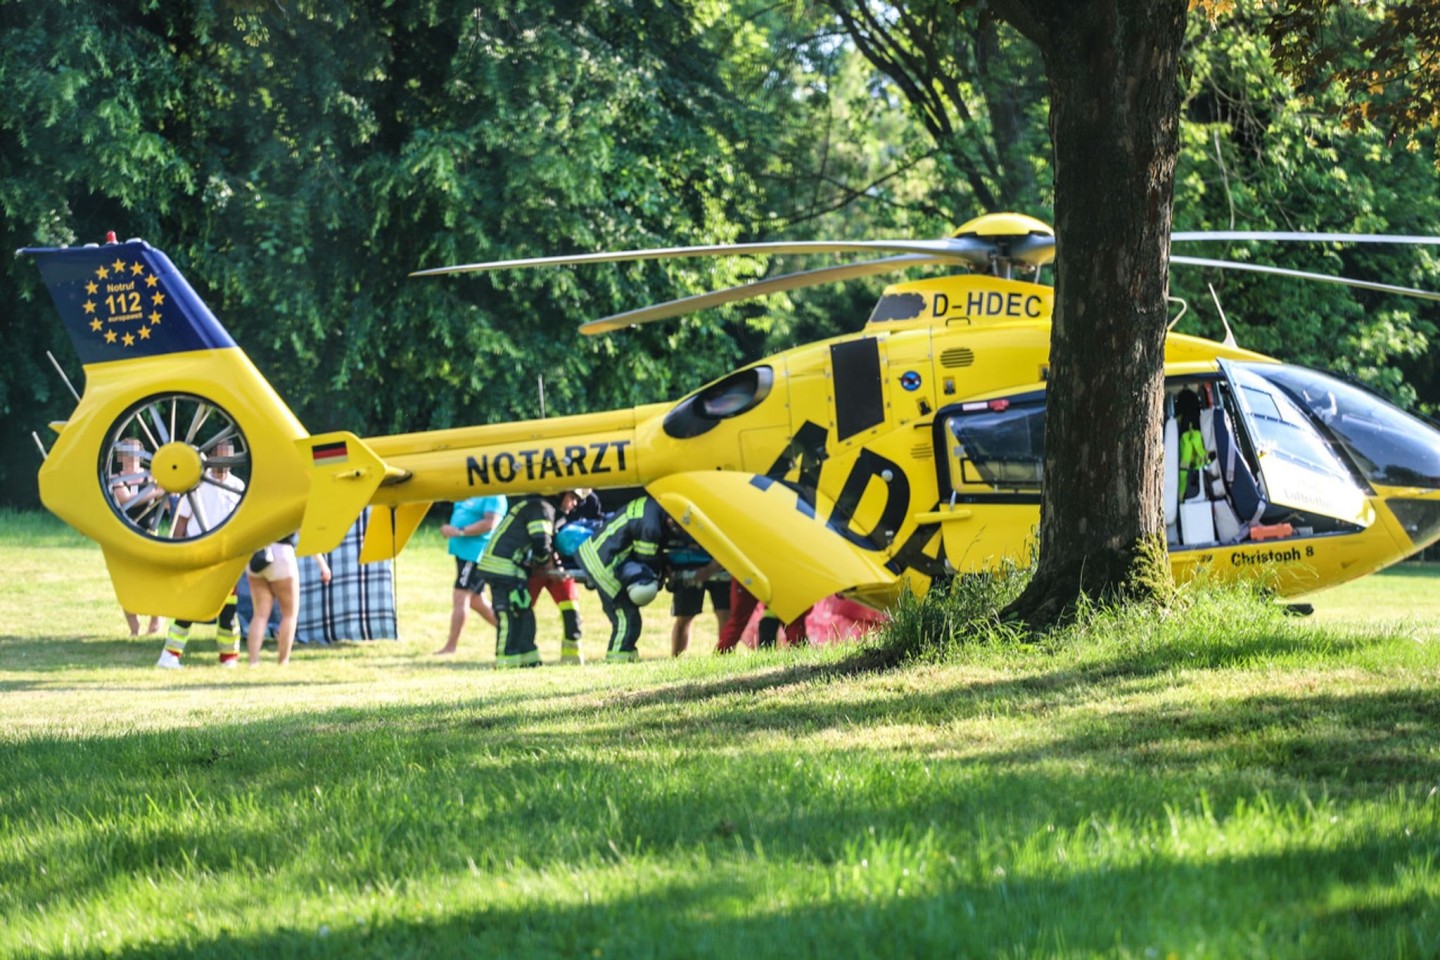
column 624, row 561
column 522, row 545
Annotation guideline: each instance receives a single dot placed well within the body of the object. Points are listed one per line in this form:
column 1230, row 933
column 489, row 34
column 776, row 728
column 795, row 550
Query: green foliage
column 1379, row 54
column 955, row 613
column 1260, row 154
column 297, row 160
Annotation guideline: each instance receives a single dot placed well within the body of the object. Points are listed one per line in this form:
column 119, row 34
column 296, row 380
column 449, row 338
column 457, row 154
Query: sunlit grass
column 1218, row 781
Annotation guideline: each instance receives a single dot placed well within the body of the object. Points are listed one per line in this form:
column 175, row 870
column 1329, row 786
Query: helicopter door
column 990, row 471
column 1297, row 469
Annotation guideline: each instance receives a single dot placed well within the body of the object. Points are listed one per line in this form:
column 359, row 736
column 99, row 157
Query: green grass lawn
column 1226, row 782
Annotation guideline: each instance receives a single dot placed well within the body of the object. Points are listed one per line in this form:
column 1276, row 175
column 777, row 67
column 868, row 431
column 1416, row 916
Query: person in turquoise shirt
column 468, row 532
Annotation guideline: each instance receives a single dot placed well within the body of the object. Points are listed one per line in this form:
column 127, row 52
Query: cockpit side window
column 738, row 393
column 994, row 447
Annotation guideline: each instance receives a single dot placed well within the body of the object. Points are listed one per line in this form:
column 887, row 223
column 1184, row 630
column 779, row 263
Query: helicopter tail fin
column 390, row 529
column 167, row 387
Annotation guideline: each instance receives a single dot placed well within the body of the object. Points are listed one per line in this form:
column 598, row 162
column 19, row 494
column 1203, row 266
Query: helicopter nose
column 1419, row 516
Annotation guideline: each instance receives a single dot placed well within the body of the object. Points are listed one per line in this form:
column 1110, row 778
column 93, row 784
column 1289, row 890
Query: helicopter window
column 1283, row 431
column 897, row 306
column 997, row 449
column 701, row 412
column 1387, row 445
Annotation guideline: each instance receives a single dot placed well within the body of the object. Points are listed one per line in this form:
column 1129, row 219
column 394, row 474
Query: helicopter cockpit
column 1386, row 445
column 1259, row 451
column 1392, row 453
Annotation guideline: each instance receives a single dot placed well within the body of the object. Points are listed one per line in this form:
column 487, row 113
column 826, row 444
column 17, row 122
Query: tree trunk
column 1114, row 118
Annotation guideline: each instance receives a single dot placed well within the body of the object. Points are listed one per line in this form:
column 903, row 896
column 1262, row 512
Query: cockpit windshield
column 1388, row 446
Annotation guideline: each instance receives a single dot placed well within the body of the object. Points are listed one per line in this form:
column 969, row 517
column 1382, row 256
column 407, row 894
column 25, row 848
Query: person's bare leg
column 287, row 593
column 721, row 617
column 480, row 605
column 154, row 625
column 134, row 623
column 680, row 635
column 459, row 613
column 261, row 602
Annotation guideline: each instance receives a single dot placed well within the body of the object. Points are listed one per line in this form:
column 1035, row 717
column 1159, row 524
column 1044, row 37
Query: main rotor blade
column 971, row 250
column 1303, row 275
column 1301, row 236
column 759, row 288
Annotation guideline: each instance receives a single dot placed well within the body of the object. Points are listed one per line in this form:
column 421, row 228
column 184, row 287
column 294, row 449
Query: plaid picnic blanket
column 359, row 601
column 357, row 604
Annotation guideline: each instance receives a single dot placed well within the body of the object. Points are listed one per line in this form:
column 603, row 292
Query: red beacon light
column 110, row 236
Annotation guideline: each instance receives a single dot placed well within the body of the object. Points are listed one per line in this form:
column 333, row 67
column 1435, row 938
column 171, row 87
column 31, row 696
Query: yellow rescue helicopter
column 908, row 451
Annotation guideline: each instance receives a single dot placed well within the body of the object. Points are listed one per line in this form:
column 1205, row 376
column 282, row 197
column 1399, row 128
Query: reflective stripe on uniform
column 604, row 577
column 517, row 659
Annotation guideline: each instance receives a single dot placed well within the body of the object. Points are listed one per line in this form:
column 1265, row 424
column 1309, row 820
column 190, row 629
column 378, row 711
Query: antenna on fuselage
column 1229, row 340
column 60, row 370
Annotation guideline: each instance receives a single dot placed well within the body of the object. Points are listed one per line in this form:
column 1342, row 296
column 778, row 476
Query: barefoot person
column 468, row 532
column 275, row 580
column 131, row 486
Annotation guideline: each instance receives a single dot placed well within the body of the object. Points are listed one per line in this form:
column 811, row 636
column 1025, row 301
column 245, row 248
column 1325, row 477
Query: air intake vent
column 923, row 451
column 957, row 357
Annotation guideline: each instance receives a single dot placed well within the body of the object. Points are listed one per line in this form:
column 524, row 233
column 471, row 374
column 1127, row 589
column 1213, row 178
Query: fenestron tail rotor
column 162, row 451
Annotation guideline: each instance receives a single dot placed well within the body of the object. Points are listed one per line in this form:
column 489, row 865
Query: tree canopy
column 298, row 159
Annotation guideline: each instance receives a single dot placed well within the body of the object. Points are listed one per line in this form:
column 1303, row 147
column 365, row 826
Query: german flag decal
column 329, row 454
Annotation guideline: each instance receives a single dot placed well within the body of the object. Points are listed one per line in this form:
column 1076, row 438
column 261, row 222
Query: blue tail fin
column 122, row 301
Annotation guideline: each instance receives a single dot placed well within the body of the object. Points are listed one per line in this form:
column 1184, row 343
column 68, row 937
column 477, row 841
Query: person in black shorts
column 469, row 578
column 689, row 600
column 694, row 573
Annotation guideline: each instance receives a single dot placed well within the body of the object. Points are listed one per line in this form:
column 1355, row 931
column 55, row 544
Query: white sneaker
column 231, row 663
column 168, row 661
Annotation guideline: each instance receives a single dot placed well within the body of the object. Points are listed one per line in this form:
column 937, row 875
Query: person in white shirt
column 200, row 511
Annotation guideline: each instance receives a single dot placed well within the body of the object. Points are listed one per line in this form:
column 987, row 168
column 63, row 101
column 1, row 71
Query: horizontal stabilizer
column 768, row 538
column 178, row 592
column 390, row 529
column 344, row 475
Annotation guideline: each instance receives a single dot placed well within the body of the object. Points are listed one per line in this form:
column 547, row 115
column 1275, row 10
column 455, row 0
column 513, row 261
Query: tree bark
column 1114, row 118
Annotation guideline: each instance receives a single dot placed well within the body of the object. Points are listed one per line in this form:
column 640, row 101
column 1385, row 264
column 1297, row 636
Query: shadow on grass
column 769, row 677
column 58, row 654
column 655, row 772
column 51, row 654
column 1231, row 906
